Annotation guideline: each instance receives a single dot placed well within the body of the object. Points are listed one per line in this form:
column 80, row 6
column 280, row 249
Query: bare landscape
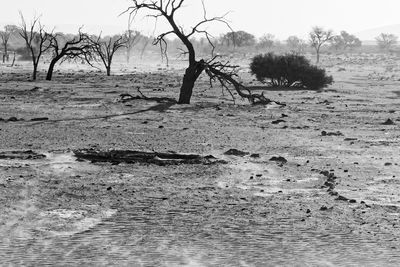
column 312, row 183
column 189, row 147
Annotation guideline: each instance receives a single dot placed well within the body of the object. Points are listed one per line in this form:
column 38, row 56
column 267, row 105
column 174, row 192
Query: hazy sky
column 279, row 17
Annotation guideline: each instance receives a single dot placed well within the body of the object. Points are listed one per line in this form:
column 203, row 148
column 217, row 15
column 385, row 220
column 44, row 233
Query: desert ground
column 312, row 183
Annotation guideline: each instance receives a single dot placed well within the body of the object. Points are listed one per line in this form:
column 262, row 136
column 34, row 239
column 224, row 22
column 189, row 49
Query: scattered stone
column 342, row 198
column 353, row 201
column 388, row 122
column 350, row 139
column 254, row 155
column 308, row 211
column 325, row 133
column 22, row 155
column 278, row 159
column 323, row 208
column 236, row 152
column 388, row 164
column 278, row 121
column 284, row 116
column 40, row 119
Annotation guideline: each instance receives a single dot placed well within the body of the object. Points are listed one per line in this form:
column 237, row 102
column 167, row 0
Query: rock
column 254, row 155
column 323, row 208
column 236, row 152
column 325, row 133
column 388, row 164
column 388, row 122
column 278, row 159
column 278, row 121
column 40, row 119
column 12, row 119
column 342, row 198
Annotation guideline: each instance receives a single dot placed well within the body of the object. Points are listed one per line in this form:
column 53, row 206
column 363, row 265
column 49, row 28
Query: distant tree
column 132, row 39
column 267, row 41
column 5, row 36
column 238, row 39
column 386, row 41
column 106, row 47
column 37, row 41
column 345, row 41
column 319, row 37
column 65, row 47
column 295, row 45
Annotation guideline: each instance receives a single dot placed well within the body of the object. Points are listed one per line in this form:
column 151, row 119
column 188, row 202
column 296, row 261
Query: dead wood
column 131, row 156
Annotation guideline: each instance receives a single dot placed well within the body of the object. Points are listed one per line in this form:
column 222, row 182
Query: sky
column 282, row 18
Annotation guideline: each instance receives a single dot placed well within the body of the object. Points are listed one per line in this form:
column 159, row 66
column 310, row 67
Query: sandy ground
column 334, row 201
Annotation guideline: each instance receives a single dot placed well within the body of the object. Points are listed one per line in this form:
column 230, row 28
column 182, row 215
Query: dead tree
column 5, row 38
column 132, row 39
column 318, row 37
column 224, row 73
column 79, row 47
column 37, row 41
column 105, row 48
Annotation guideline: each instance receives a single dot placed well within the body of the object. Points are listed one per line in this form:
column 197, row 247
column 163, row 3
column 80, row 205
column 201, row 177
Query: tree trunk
column 50, row 70
column 35, row 67
column 187, row 87
column 317, row 55
column 13, row 62
column 191, row 74
column 108, row 70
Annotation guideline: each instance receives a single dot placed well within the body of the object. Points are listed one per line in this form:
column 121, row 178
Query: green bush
column 289, row 70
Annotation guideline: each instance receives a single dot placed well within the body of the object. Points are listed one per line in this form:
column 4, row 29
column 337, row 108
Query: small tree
column 132, row 39
column 295, row 45
column 37, row 41
column 289, row 71
column 64, row 48
column 239, row 39
column 319, row 37
column 105, row 48
column 5, row 36
column 345, row 41
column 267, row 41
column 386, row 41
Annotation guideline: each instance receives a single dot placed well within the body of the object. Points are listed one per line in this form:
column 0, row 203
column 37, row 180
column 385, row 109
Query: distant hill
column 370, row 34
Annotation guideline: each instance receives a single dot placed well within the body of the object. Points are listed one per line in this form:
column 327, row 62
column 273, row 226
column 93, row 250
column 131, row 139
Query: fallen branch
column 158, row 158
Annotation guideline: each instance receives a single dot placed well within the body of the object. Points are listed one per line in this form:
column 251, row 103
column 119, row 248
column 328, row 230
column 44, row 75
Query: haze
column 281, row 18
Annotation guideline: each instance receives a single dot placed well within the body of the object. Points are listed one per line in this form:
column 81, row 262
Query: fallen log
column 132, row 156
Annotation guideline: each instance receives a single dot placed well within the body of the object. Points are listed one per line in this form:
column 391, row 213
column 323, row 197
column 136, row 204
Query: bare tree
column 224, row 73
column 132, row 39
column 386, row 41
column 296, row 45
column 105, row 48
column 267, row 41
column 238, row 39
column 318, row 37
column 5, row 36
column 345, row 41
column 37, row 40
column 62, row 48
